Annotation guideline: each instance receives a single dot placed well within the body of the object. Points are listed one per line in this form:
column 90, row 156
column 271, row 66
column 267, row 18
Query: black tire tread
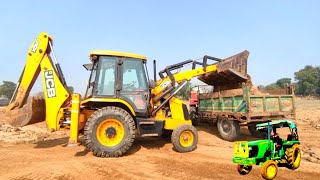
column 194, row 116
column 289, row 155
column 254, row 132
column 92, row 143
column 235, row 130
column 175, row 138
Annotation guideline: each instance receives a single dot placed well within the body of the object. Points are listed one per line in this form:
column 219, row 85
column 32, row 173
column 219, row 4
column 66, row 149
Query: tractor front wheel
column 228, row 129
column 293, row 156
column 184, row 138
column 269, row 170
column 109, row 132
column 243, row 170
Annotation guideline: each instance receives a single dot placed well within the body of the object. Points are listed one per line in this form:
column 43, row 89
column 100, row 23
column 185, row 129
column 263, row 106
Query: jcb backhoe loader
column 119, row 103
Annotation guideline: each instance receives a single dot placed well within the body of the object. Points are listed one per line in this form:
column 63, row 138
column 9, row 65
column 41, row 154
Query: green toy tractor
column 269, row 153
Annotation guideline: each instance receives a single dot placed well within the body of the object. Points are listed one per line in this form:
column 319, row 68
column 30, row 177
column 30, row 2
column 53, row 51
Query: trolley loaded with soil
column 230, row 100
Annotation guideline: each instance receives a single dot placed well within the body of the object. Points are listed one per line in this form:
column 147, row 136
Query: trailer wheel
column 109, row 132
column 253, row 131
column 228, row 129
column 194, row 116
column 269, row 170
column 293, row 156
column 185, row 138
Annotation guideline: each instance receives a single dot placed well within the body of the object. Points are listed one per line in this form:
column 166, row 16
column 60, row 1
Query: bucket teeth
column 32, row 112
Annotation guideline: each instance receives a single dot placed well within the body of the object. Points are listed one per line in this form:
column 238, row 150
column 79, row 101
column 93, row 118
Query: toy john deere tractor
column 271, row 152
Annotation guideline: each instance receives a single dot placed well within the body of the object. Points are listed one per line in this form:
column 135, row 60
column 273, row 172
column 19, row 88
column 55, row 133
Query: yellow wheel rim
column 296, row 162
column 186, row 138
column 271, row 171
column 110, row 132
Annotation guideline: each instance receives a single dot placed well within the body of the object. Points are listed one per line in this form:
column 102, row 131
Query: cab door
column 134, row 85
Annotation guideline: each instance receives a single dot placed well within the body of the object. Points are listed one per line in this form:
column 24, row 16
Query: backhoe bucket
column 32, row 112
column 232, row 70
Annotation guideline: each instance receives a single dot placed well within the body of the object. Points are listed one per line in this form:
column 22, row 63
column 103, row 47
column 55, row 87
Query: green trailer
column 232, row 108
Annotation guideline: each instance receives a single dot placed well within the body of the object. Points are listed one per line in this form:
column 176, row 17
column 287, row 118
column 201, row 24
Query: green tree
column 272, row 86
column 308, row 80
column 184, row 93
column 7, row 89
column 283, row 82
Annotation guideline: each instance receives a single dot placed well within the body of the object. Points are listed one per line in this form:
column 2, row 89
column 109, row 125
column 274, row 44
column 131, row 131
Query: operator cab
column 119, row 75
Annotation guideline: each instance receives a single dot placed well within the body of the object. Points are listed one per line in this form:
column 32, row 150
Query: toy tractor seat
column 290, row 137
column 277, row 141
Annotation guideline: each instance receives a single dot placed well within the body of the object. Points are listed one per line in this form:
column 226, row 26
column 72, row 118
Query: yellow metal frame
column 110, row 100
column 53, row 104
column 179, row 77
column 75, row 111
column 116, row 53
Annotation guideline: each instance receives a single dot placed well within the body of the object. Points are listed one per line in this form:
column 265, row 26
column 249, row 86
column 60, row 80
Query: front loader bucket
column 231, row 70
column 32, row 112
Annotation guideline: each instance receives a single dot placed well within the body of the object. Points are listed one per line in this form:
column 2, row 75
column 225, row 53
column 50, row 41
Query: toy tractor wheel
column 269, row 170
column 253, row 131
column 243, row 170
column 293, row 156
column 109, row 132
column 194, row 116
column 228, row 129
column 184, row 138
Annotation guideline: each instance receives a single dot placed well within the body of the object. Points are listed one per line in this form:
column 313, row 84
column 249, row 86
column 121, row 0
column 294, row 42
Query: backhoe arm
column 21, row 112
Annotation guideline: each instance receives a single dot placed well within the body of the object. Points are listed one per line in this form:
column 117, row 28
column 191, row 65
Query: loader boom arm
column 38, row 61
column 173, row 79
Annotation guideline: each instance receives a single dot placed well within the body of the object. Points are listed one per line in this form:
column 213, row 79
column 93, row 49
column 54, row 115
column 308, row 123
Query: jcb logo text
column 50, row 86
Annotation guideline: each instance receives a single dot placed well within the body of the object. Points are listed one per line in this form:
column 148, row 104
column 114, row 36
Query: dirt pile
column 16, row 135
column 311, row 154
column 10, row 134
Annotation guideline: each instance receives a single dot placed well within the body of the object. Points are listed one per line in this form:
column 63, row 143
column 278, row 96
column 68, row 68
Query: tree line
column 307, row 82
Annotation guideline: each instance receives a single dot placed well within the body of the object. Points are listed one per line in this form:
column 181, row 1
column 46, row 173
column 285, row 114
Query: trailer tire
column 228, row 129
column 194, row 116
column 109, row 132
column 184, row 138
column 253, row 131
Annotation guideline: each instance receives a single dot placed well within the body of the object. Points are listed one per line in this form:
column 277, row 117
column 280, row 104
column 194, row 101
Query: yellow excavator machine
column 119, row 105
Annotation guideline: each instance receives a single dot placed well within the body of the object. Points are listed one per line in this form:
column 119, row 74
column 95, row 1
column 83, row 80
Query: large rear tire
column 185, row 138
column 109, row 132
column 228, row 129
column 293, row 156
column 194, row 116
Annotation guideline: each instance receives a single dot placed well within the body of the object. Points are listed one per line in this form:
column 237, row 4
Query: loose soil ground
column 33, row 153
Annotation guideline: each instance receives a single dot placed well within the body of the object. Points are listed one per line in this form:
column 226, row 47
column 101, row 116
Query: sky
column 281, row 36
